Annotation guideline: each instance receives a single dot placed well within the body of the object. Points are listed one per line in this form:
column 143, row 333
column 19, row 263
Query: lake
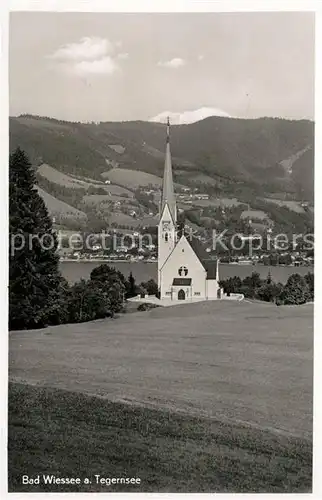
column 143, row 271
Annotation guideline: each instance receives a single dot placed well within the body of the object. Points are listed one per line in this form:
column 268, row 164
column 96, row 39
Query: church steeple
column 168, row 196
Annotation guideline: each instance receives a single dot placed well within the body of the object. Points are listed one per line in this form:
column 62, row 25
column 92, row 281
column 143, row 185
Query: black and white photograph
column 161, row 251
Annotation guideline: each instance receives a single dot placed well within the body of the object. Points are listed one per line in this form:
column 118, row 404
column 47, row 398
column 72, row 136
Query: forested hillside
column 222, row 154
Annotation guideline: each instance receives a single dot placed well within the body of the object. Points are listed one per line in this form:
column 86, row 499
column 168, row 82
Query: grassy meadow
column 70, row 434
column 200, row 397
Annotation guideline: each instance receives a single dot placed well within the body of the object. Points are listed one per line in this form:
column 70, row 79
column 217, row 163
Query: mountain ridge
column 247, row 152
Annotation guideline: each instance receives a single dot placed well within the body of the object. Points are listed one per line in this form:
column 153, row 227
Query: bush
column 146, row 306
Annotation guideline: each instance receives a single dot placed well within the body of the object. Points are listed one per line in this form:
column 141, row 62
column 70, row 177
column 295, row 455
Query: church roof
column 211, row 267
column 197, row 247
column 209, row 264
column 168, row 196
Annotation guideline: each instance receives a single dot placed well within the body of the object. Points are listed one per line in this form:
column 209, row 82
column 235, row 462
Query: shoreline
column 100, row 261
column 108, row 260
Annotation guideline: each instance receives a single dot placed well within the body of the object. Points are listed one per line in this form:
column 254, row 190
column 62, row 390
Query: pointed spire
column 168, row 129
column 168, row 196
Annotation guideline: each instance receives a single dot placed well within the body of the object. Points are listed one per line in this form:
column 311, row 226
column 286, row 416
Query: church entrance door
column 181, row 295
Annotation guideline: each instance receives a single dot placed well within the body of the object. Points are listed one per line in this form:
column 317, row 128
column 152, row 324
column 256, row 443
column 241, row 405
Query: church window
column 183, row 271
column 166, row 237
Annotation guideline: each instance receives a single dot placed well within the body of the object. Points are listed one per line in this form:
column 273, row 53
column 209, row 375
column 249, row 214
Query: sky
column 116, row 67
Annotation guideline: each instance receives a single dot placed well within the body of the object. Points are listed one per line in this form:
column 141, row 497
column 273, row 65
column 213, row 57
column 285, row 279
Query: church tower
column 168, row 210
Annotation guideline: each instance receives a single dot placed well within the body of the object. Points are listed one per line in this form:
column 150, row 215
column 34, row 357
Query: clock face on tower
column 165, row 225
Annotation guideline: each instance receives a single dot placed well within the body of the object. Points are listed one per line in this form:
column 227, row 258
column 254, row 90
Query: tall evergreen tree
column 296, row 291
column 131, row 286
column 269, row 278
column 35, row 284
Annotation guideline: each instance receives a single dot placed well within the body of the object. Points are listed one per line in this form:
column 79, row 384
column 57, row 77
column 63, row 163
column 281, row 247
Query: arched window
column 183, row 271
column 166, row 237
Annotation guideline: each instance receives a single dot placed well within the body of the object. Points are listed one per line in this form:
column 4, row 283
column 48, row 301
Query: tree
column 111, row 284
column 150, row 286
column 35, row 284
column 309, row 278
column 231, row 285
column 269, row 278
column 269, row 291
column 250, row 285
column 254, row 281
column 59, row 312
column 295, row 292
column 131, row 289
column 86, row 302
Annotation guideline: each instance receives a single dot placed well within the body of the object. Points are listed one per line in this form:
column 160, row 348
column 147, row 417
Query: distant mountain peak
column 186, row 117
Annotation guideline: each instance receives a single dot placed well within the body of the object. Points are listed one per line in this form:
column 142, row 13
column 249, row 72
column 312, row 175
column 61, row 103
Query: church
column 185, row 271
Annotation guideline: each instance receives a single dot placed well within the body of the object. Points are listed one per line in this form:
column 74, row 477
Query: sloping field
column 133, row 178
column 119, row 190
column 256, row 214
column 76, row 182
column 235, row 362
column 56, row 206
column 110, row 188
column 87, row 179
column 97, row 199
column 127, row 220
column 53, row 175
column 225, row 202
column 118, row 148
column 204, row 179
column 291, row 205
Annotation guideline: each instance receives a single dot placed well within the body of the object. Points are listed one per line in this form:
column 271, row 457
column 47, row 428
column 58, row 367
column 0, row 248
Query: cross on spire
column 168, row 129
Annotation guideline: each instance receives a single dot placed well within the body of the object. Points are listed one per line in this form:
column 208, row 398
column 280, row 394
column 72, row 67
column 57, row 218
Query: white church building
column 185, row 271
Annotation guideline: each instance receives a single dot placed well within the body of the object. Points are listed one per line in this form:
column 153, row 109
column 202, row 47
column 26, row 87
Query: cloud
column 89, row 56
column 123, row 55
column 188, row 116
column 175, row 63
column 201, row 57
column 88, row 48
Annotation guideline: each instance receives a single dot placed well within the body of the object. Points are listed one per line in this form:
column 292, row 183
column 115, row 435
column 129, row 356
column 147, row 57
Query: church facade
column 185, row 271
